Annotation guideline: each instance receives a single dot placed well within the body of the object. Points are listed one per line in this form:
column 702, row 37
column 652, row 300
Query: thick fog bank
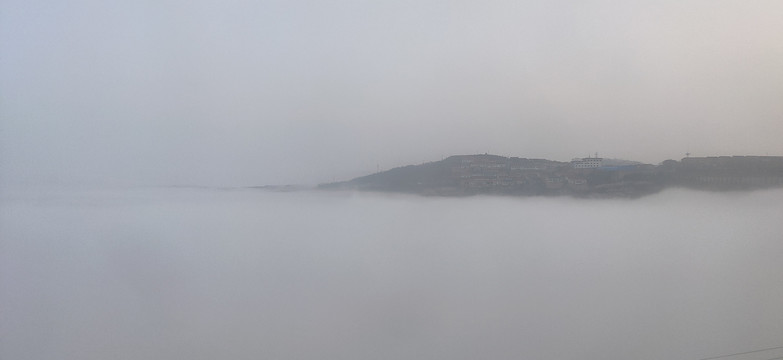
column 206, row 274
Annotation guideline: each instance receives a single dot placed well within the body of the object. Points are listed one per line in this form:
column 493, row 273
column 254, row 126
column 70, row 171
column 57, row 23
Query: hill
column 492, row 174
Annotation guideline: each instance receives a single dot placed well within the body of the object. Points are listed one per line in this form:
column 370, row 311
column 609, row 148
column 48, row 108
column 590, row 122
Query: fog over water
column 131, row 101
column 243, row 274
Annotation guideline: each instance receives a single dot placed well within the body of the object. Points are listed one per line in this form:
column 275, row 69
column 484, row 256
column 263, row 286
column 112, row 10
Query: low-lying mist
column 207, row 274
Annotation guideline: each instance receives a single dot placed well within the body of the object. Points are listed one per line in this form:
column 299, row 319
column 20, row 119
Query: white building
column 586, row 163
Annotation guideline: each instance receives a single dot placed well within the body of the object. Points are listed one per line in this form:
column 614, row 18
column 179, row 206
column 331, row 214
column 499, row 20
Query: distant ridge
column 461, row 175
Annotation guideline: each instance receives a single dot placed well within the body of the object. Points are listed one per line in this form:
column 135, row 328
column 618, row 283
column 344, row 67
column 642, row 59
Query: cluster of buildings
column 731, row 171
column 491, row 172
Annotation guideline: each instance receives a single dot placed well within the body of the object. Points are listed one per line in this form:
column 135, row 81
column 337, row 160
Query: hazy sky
column 259, row 92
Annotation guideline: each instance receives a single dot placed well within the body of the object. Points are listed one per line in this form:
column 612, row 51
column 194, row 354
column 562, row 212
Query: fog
column 153, row 273
column 130, row 131
column 238, row 93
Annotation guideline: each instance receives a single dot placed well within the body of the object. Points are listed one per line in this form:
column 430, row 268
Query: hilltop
column 587, row 177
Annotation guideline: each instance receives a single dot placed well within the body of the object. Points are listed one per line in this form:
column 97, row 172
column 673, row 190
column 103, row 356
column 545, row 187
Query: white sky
column 233, row 93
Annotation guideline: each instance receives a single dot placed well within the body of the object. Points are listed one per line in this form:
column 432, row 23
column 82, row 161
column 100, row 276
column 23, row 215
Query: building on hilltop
column 586, row 163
